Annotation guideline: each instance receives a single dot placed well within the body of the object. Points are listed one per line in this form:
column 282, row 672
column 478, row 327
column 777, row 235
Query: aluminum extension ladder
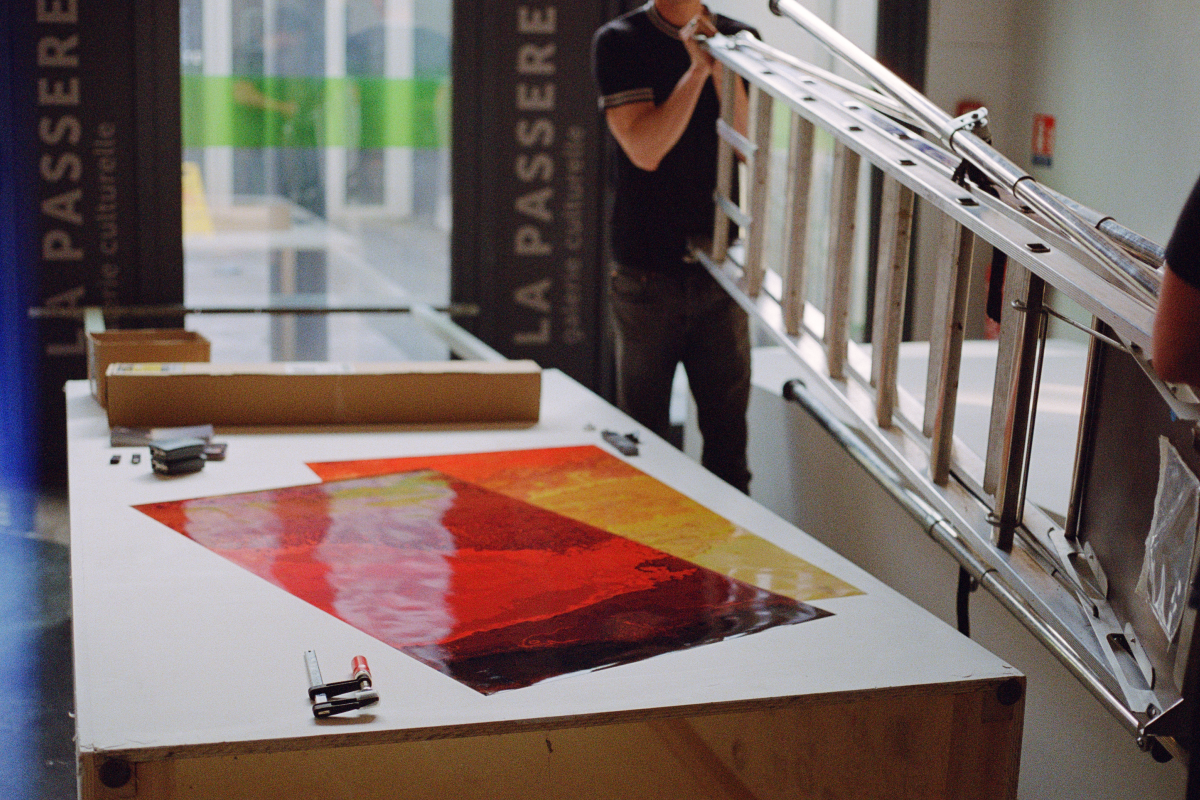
column 1038, row 569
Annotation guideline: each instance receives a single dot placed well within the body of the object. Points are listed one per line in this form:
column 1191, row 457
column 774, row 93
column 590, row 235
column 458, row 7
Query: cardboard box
column 147, row 344
column 264, row 215
column 316, row 393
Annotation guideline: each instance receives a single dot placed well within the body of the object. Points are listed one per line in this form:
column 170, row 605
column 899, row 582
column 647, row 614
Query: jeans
column 663, row 319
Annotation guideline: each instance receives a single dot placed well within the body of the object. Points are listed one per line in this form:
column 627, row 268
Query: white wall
column 854, row 19
column 1118, row 77
column 972, row 55
column 1121, row 79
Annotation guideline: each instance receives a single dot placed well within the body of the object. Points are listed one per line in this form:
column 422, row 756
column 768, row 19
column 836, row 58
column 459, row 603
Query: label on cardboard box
column 158, row 369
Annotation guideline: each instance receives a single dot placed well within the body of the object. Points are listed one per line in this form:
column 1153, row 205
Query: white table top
column 178, row 649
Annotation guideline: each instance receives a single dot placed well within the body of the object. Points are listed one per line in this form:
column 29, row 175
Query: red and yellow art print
column 504, row 569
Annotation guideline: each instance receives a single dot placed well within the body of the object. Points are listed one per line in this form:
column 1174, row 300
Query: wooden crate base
column 928, row 742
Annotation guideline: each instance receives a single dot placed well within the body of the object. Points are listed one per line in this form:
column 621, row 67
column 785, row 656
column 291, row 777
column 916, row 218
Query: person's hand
column 701, row 24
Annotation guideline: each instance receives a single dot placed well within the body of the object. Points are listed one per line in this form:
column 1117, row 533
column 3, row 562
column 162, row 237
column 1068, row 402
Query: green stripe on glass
column 359, row 112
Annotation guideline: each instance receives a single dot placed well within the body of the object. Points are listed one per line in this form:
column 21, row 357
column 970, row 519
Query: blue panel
column 18, row 388
column 18, row 350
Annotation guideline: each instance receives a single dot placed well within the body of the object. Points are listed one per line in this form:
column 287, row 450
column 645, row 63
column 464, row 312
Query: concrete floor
column 37, row 759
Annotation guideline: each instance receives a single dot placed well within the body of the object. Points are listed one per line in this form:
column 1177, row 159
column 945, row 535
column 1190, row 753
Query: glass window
column 316, row 171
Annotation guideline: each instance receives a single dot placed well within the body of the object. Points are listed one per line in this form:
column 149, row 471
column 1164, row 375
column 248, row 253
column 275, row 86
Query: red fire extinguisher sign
column 1043, row 140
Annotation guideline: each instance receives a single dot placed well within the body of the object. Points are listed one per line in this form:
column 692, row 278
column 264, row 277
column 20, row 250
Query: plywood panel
column 899, row 746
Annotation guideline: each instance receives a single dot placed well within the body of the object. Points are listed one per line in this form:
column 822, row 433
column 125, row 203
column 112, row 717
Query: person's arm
column 647, row 132
column 1176, row 343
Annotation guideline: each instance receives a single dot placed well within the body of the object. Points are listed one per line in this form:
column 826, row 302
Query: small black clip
column 967, row 170
column 627, row 445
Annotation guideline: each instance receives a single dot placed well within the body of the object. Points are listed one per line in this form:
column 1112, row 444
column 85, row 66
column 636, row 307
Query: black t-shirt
column 1183, row 251
column 639, row 57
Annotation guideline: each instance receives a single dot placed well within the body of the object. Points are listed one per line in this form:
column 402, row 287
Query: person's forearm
column 1176, row 346
column 649, row 134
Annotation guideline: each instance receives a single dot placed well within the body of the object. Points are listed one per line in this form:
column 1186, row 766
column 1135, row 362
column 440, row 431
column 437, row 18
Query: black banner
column 103, row 91
column 527, row 242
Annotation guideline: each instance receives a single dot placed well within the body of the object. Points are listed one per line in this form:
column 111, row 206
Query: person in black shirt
column 659, row 94
column 1176, row 352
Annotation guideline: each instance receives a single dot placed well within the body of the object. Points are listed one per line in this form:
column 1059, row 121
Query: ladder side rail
column 1084, row 444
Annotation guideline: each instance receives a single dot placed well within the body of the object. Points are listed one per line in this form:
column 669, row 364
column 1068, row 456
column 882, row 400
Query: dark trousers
column 684, row 316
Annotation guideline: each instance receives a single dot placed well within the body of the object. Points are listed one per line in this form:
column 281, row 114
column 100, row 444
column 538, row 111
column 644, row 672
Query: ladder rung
column 1013, row 403
column 741, row 144
column 891, row 281
column 800, row 157
column 843, row 208
column 949, row 250
column 1006, row 370
column 759, row 179
column 953, row 281
column 725, row 169
column 732, row 210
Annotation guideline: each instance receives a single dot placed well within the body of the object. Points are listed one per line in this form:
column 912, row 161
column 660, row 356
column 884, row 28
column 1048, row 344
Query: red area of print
column 526, row 465
column 488, row 589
